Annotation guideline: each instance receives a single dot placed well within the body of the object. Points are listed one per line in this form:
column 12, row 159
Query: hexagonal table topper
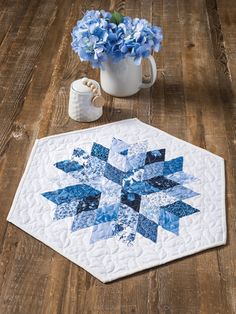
column 120, row 198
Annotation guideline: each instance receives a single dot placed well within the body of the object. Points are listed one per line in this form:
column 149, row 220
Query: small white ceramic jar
column 86, row 102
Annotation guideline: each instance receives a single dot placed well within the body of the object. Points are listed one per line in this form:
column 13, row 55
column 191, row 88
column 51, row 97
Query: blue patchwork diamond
column 162, row 183
column 173, row 166
column 147, row 228
column 153, row 170
column 73, row 192
column 107, row 213
column 113, row 174
column 131, row 199
column 140, row 187
column 155, row 156
column 180, row 209
column 169, row 221
column 100, row 151
column 68, row 165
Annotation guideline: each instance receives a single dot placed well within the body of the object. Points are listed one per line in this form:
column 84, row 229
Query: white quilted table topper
column 122, row 197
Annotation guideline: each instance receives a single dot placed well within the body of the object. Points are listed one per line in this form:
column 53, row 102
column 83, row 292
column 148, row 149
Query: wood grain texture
column 193, row 99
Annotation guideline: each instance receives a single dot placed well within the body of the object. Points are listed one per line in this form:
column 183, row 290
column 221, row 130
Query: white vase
column 124, row 78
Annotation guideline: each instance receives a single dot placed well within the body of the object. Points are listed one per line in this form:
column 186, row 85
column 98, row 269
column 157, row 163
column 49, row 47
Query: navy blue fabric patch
column 173, row 166
column 88, row 203
column 131, row 199
column 113, row 174
column 155, row 156
column 100, row 151
column 68, row 165
column 162, row 183
column 147, row 228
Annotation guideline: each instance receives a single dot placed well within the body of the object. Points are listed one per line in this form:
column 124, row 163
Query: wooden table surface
column 192, row 99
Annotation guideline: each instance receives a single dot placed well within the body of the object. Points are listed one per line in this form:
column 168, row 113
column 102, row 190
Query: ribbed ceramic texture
column 81, row 108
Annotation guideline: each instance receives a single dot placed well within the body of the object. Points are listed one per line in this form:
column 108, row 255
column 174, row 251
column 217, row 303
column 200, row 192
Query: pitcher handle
column 153, row 70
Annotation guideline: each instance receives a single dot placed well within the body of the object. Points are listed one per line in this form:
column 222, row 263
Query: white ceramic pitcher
column 125, row 78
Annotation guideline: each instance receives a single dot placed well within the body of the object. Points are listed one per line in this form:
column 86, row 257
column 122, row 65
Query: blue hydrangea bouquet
column 101, row 35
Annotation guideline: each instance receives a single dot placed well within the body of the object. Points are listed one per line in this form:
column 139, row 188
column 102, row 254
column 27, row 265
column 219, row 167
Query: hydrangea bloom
column 95, row 38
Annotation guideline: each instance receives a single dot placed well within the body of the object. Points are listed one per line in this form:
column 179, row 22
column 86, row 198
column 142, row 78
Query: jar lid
column 79, row 87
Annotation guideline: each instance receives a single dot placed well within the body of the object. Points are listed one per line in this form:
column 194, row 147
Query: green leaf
column 116, row 18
